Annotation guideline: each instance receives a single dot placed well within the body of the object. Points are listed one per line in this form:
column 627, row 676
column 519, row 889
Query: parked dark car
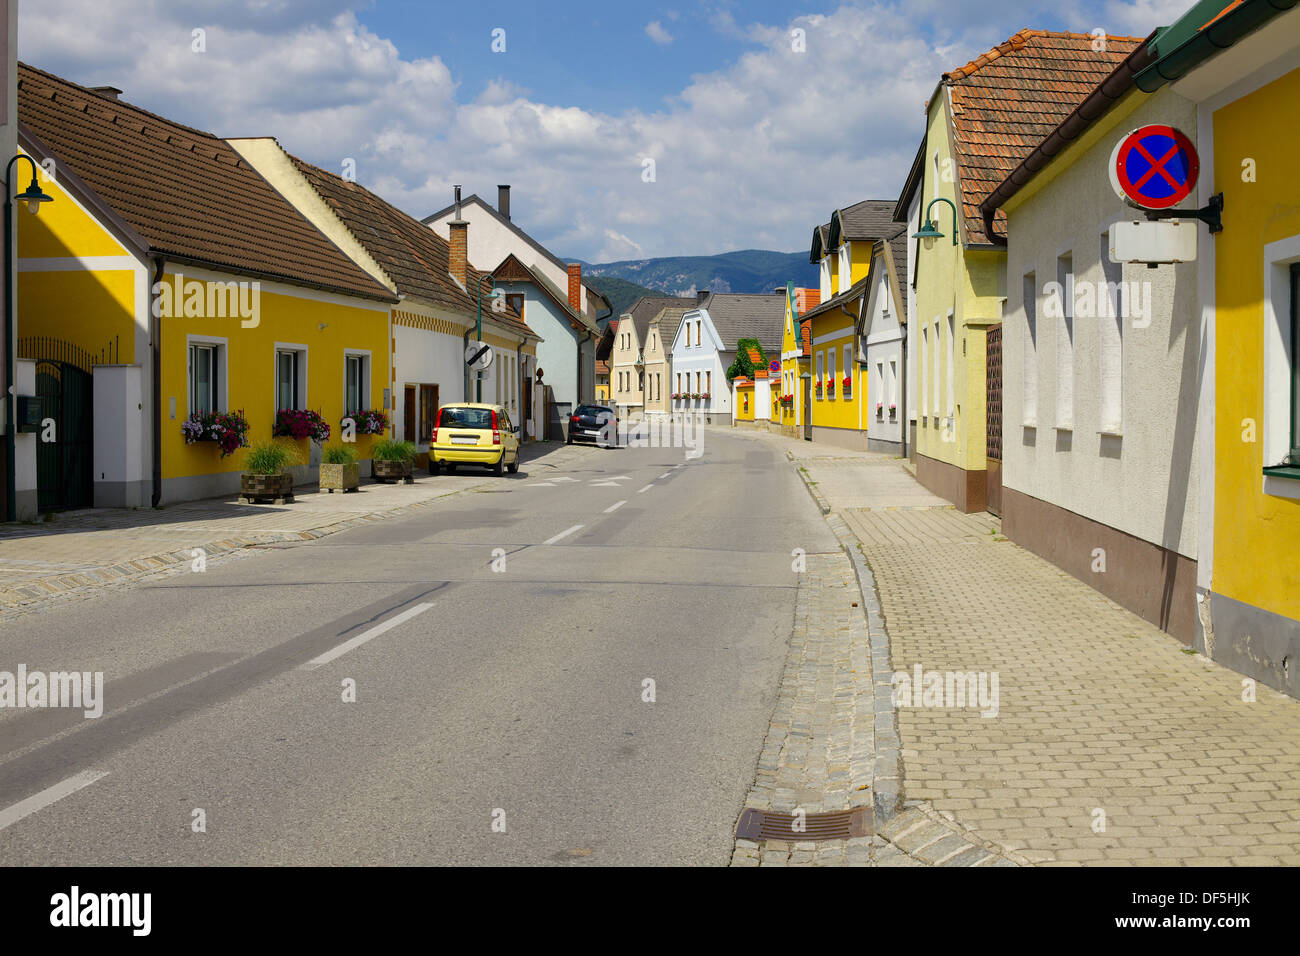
column 597, row 424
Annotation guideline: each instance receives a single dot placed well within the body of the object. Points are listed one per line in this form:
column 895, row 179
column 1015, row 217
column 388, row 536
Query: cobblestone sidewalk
column 77, row 553
column 1112, row 743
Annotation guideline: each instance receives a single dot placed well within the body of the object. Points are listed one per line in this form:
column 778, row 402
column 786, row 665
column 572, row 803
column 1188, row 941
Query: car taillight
column 574, row 419
column 496, row 432
column 435, row 436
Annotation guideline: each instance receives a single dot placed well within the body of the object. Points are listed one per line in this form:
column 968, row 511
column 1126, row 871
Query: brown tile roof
column 869, row 219
column 602, row 367
column 185, row 192
column 1005, row 102
column 648, row 306
column 415, row 257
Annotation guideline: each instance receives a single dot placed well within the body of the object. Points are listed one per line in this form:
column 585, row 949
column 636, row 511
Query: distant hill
column 621, row 293
column 750, row 270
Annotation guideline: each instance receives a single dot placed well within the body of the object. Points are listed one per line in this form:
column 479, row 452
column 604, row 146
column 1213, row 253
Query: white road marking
column 563, row 478
column 665, row 474
column 605, row 484
column 621, row 478
column 11, row 815
column 564, row 534
column 361, row 638
column 645, row 489
column 615, row 507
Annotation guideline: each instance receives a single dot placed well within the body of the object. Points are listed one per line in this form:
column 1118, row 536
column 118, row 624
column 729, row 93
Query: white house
column 555, row 302
column 882, row 343
column 705, row 347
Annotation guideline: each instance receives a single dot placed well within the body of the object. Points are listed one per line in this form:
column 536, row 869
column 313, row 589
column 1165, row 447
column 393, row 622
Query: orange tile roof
column 806, row 299
column 1006, row 101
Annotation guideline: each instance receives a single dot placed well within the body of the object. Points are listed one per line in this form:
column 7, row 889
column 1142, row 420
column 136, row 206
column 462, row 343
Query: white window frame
column 821, row 376
column 848, row 368
column 364, row 386
column 923, row 367
column 830, row 370
column 303, row 366
column 1065, row 343
column 952, row 364
column 1029, row 351
column 1110, row 346
column 1275, row 430
column 221, row 362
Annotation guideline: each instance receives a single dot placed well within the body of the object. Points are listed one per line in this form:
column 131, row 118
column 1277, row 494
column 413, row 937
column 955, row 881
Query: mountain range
column 749, row 270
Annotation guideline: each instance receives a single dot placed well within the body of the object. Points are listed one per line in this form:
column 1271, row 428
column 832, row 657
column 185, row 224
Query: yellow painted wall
column 970, row 283
column 745, row 402
column 834, row 410
column 860, row 262
column 91, row 310
column 790, row 368
column 1254, row 533
column 250, row 365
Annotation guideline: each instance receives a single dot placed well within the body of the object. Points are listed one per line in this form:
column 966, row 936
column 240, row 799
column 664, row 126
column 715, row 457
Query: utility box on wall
column 120, row 437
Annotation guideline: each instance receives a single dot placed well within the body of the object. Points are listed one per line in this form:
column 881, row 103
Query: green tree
column 743, row 365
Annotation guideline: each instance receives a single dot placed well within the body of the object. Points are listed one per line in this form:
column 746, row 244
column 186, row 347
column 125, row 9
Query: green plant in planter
column 338, row 455
column 389, row 449
column 268, row 458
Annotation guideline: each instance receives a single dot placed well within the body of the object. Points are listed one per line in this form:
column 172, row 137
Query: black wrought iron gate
column 65, row 442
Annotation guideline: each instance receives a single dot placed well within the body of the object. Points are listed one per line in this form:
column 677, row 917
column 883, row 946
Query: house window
column 679, row 383
column 204, row 372
column 428, row 411
column 937, row 357
column 1110, row 343
column 952, row 366
column 708, row 382
column 880, row 383
column 893, row 382
column 516, row 301
column 885, row 300
column 697, row 382
column 356, row 382
column 830, row 371
column 1065, row 342
column 1029, row 399
column 821, row 372
column 848, row 368
column 921, row 367
column 289, row 378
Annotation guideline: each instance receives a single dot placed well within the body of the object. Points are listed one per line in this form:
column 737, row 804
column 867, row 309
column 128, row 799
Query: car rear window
column 593, row 410
column 465, row 418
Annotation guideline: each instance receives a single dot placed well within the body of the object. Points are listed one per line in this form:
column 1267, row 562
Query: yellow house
column 981, row 121
column 1249, row 579
column 844, row 249
column 168, row 280
column 792, row 395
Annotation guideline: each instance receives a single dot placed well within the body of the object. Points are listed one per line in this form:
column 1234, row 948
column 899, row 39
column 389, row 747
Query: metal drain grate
column 814, row 827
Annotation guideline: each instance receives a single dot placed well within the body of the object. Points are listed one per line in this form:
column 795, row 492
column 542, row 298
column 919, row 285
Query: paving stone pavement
column 1111, row 744
column 77, row 553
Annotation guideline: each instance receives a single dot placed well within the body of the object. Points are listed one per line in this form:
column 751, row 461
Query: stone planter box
column 342, row 477
column 392, row 471
column 278, row 489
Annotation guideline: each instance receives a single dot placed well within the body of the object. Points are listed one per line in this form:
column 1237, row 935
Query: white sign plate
column 1157, row 243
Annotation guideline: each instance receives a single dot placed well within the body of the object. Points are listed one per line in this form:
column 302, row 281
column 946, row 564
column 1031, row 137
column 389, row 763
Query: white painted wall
column 705, row 357
column 1142, row 481
column 883, row 351
column 426, row 358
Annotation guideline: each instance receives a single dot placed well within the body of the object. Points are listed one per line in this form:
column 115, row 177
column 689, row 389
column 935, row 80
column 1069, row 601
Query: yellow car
column 474, row 434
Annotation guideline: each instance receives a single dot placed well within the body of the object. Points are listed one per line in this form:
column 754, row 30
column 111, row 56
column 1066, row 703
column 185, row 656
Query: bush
column 338, row 455
column 228, row 429
column 268, row 458
column 390, row 450
column 369, row 422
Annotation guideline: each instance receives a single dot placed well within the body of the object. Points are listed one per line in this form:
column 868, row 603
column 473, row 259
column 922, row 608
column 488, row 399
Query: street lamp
column 478, row 330
column 930, row 231
column 33, row 197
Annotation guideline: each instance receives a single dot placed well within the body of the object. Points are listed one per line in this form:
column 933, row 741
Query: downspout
column 519, row 383
column 465, row 339
column 155, row 362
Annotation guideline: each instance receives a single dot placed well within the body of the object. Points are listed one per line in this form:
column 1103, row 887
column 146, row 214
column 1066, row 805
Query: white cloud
column 655, row 31
column 750, row 155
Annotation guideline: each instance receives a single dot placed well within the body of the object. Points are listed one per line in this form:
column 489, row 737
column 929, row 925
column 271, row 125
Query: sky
column 753, row 141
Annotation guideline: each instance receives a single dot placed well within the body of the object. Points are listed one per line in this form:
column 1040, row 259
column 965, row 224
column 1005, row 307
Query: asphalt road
column 482, row 695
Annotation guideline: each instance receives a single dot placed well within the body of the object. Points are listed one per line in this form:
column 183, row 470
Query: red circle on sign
column 1180, row 181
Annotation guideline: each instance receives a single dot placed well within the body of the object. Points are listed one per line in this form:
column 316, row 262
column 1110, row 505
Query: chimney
column 108, row 92
column 503, row 200
column 700, row 296
column 458, row 240
column 575, row 286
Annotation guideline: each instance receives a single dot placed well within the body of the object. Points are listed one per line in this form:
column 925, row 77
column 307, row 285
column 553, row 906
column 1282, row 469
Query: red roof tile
column 1005, row 102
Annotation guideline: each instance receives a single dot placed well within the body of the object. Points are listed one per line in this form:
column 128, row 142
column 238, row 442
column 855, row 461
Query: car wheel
column 499, row 466
column 568, row 440
column 513, row 467
column 451, row 468
column 434, row 466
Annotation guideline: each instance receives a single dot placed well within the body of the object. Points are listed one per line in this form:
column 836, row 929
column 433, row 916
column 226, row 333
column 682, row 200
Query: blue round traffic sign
column 1155, row 167
column 774, row 366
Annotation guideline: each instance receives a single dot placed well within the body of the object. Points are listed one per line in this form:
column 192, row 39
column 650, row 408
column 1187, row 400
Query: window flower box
column 368, row 421
column 228, row 429
column 893, row 412
column 299, row 424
